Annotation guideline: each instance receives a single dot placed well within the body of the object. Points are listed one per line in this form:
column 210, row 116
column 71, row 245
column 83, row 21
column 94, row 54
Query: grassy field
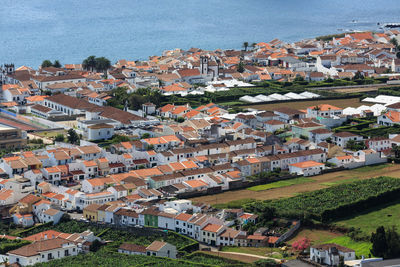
column 341, row 182
column 319, row 182
column 361, row 248
column 387, row 215
column 341, row 103
column 279, row 184
column 316, row 236
column 50, row 134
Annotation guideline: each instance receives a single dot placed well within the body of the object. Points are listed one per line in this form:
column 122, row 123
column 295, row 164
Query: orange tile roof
column 307, row 164
column 177, row 166
column 189, row 164
column 344, row 157
column 167, row 108
column 393, row 116
column 191, row 114
column 184, row 217
column 126, row 145
column 89, row 163
column 195, row 183
column 214, row 228
column 43, row 201
column 325, row 107
column 253, row 160
column 173, row 88
column 49, row 234
column 233, row 174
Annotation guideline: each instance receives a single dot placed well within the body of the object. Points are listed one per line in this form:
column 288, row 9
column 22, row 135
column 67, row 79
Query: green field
column 278, row 184
column 387, row 215
column 361, row 248
column 350, row 180
column 371, row 168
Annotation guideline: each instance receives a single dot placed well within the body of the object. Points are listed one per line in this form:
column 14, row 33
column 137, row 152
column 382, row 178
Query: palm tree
column 57, row 64
column 102, row 64
column 245, row 45
column 394, row 42
column 253, row 45
column 89, row 63
column 317, row 108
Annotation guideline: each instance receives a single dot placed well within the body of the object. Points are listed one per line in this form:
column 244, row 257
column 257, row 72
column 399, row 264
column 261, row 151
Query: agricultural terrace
column 107, row 255
column 237, row 197
column 335, row 202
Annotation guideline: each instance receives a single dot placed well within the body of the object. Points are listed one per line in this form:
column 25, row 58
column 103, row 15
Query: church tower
column 203, row 65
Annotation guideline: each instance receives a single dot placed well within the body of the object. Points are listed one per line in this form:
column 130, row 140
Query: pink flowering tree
column 301, row 244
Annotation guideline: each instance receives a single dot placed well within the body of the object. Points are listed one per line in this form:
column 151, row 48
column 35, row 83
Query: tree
column 341, row 261
column 253, row 45
column 266, row 263
column 302, row 244
column 355, row 146
column 358, row 76
column 245, row 46
column 180, row 119
column 72, row 136
column 385, row 243
column 57, row 64
column 396, row 151
column 393, row 243
column 379, row 242
column 96, row 244
column 59, row 138
column 394, row 42
column 102, row 64
column 240, row 67
column 89, row 63
column 145, row 135
column 46, row 63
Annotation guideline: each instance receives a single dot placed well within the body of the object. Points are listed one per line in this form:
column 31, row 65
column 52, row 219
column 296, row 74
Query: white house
column 323, row 110
column 43, row 251
column 161, row 249
column 330, row 254
column 306, row 168
column 100, row 131
column 390, row 118
column 378, row 143
column 273, row 125
column 342, row 160
column 341, row 138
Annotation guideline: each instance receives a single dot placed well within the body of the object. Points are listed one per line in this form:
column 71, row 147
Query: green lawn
column 361, row 248
column 370, row 168
column 387, row 215
column 278, row 184
column 350, row 180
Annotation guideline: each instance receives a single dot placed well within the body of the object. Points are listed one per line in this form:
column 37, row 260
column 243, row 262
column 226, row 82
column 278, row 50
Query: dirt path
column 289, row 191
column 243, row 257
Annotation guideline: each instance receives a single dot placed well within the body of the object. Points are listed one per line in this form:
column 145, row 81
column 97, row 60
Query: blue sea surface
column 71, row 30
